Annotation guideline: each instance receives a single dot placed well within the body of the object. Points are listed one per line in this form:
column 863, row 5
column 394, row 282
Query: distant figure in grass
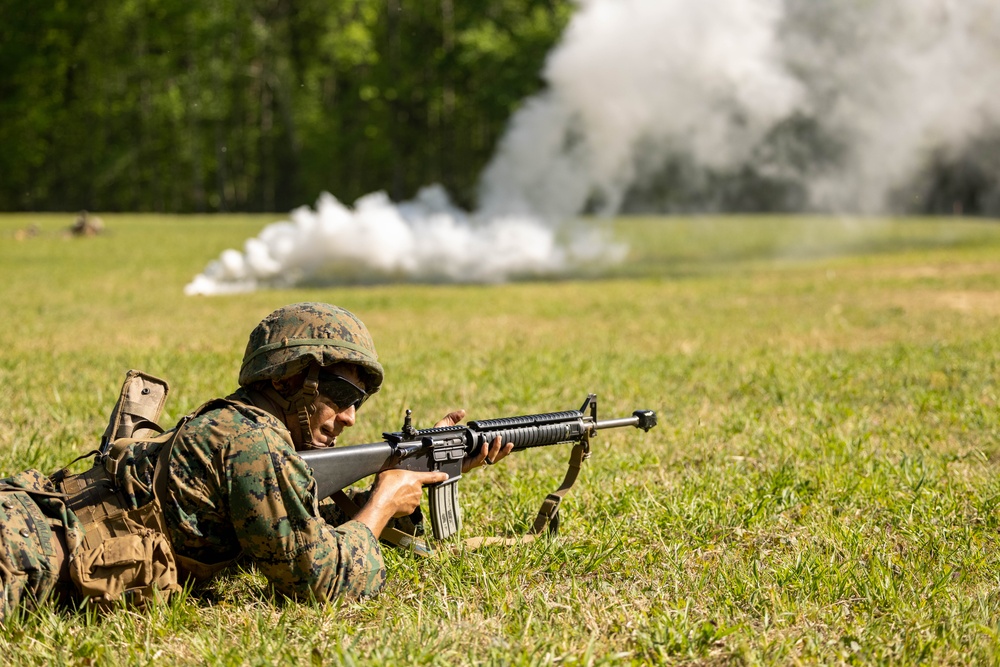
column 25, row 233
column 226, row 482
column 86, row 225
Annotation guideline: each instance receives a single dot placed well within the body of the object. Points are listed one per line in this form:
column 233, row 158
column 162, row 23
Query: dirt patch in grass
column 967, row 301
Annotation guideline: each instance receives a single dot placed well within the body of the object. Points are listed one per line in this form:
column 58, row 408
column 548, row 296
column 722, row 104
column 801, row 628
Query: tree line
column 231, row 105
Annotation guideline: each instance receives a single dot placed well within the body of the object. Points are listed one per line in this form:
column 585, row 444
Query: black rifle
column 444, row 448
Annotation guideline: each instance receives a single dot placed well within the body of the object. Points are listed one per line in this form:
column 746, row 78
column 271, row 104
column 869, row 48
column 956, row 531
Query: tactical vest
column 126, row 551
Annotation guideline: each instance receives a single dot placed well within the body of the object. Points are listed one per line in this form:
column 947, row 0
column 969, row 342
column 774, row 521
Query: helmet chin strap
column 297, row 411
column 307, row 407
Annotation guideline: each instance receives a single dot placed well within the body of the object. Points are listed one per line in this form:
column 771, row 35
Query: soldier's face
column 330, row 419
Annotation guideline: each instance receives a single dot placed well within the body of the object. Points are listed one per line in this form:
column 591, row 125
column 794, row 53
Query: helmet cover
column 291, row 338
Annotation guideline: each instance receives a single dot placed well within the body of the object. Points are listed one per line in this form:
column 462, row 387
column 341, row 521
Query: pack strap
column 59, row 475
column 116, row 453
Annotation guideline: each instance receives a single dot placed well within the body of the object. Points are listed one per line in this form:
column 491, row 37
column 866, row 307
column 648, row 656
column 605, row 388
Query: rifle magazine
column 446, row 519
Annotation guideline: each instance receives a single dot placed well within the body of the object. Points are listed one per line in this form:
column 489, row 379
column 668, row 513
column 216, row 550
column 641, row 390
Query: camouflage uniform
column 235, row 484
column 31, row 515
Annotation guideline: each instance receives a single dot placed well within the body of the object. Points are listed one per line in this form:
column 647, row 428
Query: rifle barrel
column 617, row 423
column 644, row 419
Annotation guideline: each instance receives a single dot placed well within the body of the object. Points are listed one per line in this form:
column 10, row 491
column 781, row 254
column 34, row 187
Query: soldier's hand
column 452, row 418
column 399, row 491
column 488, row 454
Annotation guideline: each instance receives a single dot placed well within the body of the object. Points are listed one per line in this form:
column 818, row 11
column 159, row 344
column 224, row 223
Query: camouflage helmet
column 288, row 340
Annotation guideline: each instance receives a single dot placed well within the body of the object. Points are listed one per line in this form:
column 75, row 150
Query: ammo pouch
column 125, row 551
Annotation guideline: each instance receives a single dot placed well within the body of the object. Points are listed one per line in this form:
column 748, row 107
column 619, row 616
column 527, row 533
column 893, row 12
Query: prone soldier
column 225, row 482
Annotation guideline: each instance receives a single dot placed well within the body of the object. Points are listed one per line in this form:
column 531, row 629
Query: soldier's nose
column 348, row 416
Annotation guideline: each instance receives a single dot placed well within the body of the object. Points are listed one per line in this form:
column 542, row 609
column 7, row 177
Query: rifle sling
column 548, row 513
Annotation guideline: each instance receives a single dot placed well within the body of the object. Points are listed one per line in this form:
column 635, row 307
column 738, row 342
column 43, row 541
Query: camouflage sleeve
column 272, row 504
column 332, row 514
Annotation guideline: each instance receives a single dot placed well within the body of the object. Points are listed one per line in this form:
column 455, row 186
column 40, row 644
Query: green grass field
column 822, row 487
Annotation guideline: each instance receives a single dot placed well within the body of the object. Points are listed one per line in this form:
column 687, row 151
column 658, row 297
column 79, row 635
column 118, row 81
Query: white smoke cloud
column 886, row 83
column 425, row 239
column 704, row 75
column 881, row 88
column 895, row 81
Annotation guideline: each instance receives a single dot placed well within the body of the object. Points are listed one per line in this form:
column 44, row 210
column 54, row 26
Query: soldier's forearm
column 375, row 514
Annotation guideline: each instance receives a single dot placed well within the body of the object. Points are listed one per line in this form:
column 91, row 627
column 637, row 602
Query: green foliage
column 161, row 105
column 822, row 487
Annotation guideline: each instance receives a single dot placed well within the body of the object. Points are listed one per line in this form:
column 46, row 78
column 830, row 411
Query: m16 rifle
column 444, row 448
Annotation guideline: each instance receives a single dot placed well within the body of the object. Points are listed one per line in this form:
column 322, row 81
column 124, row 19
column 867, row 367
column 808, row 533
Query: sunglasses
column 342, row 392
